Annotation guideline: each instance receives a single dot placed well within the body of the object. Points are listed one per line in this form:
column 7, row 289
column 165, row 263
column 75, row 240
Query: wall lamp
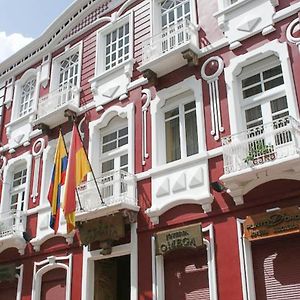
column 218, row 186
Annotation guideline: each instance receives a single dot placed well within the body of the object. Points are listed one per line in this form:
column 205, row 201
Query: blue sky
column 21, row 21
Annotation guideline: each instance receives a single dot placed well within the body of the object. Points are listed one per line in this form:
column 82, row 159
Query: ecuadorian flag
column 57, row 180
column 78, row 167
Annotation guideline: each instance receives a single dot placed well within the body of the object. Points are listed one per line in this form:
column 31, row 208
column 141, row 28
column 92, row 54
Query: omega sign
column 183, row 237
column 276, row 223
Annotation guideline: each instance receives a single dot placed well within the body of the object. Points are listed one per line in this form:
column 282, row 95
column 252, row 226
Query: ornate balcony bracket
column 130, row 216
column 191, row 57
column 71, row 115
column 151, row 76
column 42, row 126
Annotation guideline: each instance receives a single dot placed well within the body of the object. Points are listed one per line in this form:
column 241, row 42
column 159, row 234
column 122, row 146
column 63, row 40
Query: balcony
column 168, row 50
column 11, row 231
column 265, row 150
column 118, row 190
column 52, row 107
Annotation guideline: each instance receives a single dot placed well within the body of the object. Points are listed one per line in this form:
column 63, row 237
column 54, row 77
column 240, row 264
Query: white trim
column 42, row 267
column 20, row 281
column 246, row 263
column 87, row 283
column 211, row 263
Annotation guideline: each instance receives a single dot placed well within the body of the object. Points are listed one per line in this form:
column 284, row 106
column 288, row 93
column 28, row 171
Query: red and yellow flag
column 78, row 167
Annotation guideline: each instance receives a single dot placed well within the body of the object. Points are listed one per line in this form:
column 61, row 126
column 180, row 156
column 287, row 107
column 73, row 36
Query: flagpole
column 93, row 174
column 80, row 206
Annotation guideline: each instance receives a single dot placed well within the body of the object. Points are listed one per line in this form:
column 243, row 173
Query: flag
column 78, row 167
column 57, row 180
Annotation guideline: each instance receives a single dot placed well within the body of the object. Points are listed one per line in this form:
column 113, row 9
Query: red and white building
column 173, row 99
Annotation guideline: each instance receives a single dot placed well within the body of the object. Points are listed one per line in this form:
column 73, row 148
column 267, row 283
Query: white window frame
column 156, row 11
column 97, row 128
column 54, row 82
column 13, row 165
column 28, row 75
column 158, row 278
column 158, row 108
column 101, row 42
column 232, row 72
column 262, row 99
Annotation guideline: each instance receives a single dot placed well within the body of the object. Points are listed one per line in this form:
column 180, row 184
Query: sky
column 22, row 21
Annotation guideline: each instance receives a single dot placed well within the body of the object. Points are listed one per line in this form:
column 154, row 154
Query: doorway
column 112, row 278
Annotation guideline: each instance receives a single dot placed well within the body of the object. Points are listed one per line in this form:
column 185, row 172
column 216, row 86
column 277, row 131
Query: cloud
column 9, row 44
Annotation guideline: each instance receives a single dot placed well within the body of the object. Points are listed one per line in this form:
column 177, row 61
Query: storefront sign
column 183, row 237
column 276, row 223
column 102, row 229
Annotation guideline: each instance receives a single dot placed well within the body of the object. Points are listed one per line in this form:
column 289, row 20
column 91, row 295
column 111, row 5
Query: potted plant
column 259, row 153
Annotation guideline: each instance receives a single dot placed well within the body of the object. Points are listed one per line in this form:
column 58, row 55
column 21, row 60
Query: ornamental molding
column 293, row 32
column 74, row 21
column 210, row 72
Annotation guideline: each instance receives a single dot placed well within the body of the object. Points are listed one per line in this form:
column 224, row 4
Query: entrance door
column 112, row 278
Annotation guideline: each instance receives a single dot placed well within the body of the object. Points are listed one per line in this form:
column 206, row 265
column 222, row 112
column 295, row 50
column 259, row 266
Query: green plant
column 257, row 149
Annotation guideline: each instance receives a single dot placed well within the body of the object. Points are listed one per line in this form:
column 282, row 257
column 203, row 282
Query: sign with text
column 102, row 229
column 183, row 237
column 277, row 223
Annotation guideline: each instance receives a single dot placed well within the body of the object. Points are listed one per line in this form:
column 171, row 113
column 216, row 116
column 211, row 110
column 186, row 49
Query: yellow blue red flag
column 57, row 180
column 78, row 167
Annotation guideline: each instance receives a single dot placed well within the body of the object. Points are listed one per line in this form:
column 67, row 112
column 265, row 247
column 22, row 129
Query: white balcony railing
column 11, row 223
column 262, row 144
column 115, row 186
column 170, row 39
column 58, row 99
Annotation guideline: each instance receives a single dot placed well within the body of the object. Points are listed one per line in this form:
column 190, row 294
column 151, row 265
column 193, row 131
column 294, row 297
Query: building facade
column 189, row 111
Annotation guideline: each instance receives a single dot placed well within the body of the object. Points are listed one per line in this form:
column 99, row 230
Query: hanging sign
column 182, row 237
column 277, row 223
column 102, row 229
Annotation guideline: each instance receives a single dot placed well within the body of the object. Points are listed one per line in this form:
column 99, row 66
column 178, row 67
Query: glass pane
column 172, row 140
column 109, row 147
column 273, row 83
column 278, row 104
column 252, row 91
column 189, row 106
column 109, row 137
column 253, row 113
column 191, row 133
column 251, row 80
column 172, row 113
column 272, row 72
column 123, row 131
column 107, row 166
column 124, row 160
column 123, row 141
